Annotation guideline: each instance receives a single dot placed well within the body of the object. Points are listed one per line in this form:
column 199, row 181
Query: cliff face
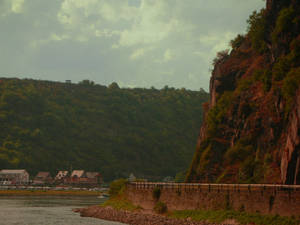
column 251, row 132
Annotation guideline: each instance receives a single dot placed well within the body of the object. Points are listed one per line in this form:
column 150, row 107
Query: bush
column 246, row 171
column 281, row 68
column 218, row 113
column 291, row 83
column 221, row 56
column 290, row 86
column 257, row 30
column 240, row 151
column 244, row 84
column 237, row 41
column 117, row 187
column 283, row 23
column 156, row 193
column 160, row 208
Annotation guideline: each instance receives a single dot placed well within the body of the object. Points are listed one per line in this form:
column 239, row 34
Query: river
column 43, row 210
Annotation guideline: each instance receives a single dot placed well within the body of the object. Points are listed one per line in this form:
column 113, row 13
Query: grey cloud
column 174, row 43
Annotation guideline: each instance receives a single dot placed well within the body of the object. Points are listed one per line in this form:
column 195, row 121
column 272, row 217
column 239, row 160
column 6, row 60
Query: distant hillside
column 46, row 126
column 251, row 132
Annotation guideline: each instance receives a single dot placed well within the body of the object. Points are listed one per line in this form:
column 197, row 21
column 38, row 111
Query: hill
column 50, row 126
column 251, row 132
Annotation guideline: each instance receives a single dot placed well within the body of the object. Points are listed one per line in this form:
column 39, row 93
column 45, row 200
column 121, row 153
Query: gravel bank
column 135, row 218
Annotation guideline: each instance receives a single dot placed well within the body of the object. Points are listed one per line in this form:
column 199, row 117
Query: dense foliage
column 49, row 126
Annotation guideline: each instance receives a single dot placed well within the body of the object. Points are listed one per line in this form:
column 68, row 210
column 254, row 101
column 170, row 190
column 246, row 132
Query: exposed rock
column 134, row 218
column 251, row 129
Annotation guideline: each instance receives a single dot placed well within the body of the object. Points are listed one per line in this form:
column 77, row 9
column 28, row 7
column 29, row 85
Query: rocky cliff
column 251, row 132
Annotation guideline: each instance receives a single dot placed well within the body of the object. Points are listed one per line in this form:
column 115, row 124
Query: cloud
column 152, row 24
column 169, row 55
column 11, row 6
column 87, row 19
column 137, row 53
column 17, row 6
column 138, row 42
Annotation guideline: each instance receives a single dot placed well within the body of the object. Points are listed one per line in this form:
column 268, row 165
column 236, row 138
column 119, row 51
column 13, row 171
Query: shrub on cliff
column 240, row 151
column 257, row 30
column 237, row 41
column 218, row 113
column 283, row 23
column 290, row 85
column 221, row 56
column 156, row 193
column 280, row 68
column 117, row 187
column 160, row 207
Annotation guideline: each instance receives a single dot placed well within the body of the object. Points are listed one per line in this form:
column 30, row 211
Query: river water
column 43, row 210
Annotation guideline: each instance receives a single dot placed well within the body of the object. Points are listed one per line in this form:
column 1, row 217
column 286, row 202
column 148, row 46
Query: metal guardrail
column 210, row 186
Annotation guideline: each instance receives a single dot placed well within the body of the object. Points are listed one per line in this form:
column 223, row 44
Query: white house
column 14, row 176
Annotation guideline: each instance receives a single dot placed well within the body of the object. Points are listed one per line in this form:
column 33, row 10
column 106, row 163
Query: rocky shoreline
column 137, row 218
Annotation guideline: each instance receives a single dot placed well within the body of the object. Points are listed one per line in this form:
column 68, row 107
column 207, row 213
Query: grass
column 48, row 192
column 241, row 217
column 121, row 203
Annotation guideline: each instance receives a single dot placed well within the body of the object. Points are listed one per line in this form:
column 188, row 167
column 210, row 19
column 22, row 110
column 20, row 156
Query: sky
column 136, row 43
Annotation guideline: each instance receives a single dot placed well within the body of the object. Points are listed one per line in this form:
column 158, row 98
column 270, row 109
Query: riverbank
column 49, row 193
column 135, row 217
column 122, row 210
column 191, row 217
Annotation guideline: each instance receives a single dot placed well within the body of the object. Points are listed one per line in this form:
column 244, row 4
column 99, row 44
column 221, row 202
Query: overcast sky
column 136, row 43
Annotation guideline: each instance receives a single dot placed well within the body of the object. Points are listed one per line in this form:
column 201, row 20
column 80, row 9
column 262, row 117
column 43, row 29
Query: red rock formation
column 251, row 132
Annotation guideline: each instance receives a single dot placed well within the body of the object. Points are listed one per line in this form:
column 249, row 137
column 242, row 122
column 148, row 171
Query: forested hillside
column 251, row 132
column 49, row 126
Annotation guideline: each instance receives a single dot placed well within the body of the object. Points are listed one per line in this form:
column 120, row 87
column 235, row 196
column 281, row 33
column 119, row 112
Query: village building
column 43, row 178
column 131, row 178
column 94, row 178
column 78, row 176
column 14, row 177
column 61, row 176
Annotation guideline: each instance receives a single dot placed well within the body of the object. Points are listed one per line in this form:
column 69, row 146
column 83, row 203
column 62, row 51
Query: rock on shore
column 133, row 218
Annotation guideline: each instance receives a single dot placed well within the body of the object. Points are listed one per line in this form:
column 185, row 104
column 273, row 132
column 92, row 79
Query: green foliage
column 86, row 82
column 117, row 187
column 218, row 113
column 180, row 177
column 257, row 30
column 268, row 159
column 266, row 79
column 50, row 126
column 295, row 52
column 245, row 83
column 113, row 85
column 283, row 23
column 291, row 84
column 221, row 56
column 160, row 208
column 246, row 171
column 204, row 159
column 271, row 202
column 240, row 151
column 156, row 193
column 220, row 216
column 121, row 203
column 237, row 41
column 281, row 68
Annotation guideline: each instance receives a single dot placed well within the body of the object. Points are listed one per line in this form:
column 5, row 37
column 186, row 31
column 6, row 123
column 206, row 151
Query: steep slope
column 49, row 126
column 251, row 132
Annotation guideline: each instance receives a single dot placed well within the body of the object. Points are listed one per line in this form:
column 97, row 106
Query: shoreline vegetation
column 49, row 193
